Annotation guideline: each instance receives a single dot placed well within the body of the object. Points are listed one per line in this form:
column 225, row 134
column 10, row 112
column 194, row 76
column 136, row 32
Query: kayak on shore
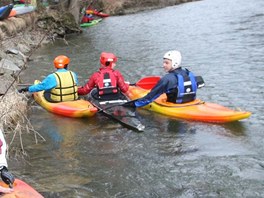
column 5, row 11
column 75, row 109
column 21, row 190
column 92, row 23
column 196, row 110
column 22, row 9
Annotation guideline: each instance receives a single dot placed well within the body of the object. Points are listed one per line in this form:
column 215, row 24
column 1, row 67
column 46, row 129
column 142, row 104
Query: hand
column 7, row 177
column 129, row 104
column 5, row 190
column 23, row 90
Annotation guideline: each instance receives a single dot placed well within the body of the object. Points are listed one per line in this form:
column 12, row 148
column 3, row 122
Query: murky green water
column 221, row 40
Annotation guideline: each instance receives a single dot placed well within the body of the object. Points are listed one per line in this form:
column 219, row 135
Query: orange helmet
column 107, row 59
column 89, row 11
column 61, row 61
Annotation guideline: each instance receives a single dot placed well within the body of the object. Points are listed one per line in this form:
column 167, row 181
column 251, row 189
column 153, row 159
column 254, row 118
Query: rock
column 12, row 51
column 6, row 81
column 23, row 48
column 8, row 67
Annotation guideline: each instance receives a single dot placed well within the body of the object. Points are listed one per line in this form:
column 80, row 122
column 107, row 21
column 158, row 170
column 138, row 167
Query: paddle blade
column 148, row 82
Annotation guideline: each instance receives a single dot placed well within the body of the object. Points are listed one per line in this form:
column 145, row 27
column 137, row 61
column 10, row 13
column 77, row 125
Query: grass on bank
column 14, row 121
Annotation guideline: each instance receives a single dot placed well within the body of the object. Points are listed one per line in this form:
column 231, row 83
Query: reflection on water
column 97, row 157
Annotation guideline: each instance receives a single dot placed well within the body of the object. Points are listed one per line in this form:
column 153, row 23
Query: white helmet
column 175, row 57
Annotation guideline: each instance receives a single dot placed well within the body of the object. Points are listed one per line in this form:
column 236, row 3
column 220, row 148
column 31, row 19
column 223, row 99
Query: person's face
column 113, row 65
column 167, row 65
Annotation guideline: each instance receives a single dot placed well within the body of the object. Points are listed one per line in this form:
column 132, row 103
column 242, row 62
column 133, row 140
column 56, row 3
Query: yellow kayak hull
column 196, row 110
column 75, row 109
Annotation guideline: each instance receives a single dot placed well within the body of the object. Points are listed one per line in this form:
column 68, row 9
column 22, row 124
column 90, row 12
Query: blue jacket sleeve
column 156, row 91
column 75, row 78
column 48, row 83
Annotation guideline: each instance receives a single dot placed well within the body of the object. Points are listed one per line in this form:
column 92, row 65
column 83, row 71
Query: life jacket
column 186, row 88
column 87, row 18
column 66, row 89
column 107, row 83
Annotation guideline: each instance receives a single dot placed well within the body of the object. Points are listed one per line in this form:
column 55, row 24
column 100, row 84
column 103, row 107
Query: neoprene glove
column 23, row 90
column 129, row 104
column 6, row 176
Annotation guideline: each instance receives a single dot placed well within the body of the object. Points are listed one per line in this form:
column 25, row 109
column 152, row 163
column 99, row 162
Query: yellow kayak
column 196, row 110
column 75, row 109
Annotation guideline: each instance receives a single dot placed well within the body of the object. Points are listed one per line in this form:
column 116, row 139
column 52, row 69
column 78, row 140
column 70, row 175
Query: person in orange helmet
column 88, row 16
column 109, row 83
column 59, row 86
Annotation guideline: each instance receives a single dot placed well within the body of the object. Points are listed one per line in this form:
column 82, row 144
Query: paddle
column 128, row 121
column 147, row 82
column 150, row 81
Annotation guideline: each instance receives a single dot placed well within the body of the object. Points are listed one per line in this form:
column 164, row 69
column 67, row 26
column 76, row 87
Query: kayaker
column 179, row 84
column 109, row 83
column 6, row 176
column 88, row 17
column 59, row 86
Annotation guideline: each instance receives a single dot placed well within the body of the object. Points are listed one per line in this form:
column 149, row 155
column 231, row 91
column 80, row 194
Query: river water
column 221, row 40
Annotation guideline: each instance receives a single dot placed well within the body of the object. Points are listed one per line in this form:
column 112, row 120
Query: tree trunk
column 74, row 8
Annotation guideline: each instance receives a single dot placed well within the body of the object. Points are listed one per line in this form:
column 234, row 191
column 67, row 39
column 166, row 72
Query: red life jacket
column 107, row 83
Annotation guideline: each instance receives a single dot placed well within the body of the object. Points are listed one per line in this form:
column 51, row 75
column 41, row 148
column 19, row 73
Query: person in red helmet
column 59, row 86
column 109, row 83
column 88, row 17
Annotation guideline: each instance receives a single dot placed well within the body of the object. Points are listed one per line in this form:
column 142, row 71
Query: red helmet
column 106, row 59
column 61, row 61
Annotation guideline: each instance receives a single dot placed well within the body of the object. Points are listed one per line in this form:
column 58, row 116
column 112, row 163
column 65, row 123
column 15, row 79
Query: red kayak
column 21, row 190
column 5, row 11
column 97, row 13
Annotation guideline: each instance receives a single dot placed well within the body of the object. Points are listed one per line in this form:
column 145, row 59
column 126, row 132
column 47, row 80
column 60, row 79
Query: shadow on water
column 179, row 126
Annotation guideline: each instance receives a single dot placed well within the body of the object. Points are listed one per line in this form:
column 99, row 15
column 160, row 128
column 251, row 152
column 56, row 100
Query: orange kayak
column 196, row 110
column 23, row 9
column 21, row 190
column 75, row 109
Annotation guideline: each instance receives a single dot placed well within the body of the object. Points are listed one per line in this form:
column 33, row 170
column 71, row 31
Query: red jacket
column 94, row 81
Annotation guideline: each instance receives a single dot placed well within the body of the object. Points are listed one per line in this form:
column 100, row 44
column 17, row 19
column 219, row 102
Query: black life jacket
column 107, row 83
column 185, row 90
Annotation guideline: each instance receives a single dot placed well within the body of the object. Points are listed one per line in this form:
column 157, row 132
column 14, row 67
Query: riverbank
column 122, row 7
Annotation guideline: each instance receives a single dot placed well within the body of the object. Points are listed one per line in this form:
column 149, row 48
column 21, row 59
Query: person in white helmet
column 179, row 84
